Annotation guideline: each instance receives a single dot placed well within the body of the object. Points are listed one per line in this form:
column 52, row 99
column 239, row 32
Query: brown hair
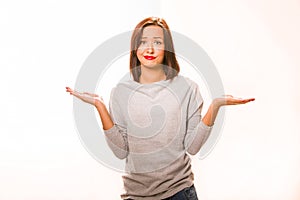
column 170, row 64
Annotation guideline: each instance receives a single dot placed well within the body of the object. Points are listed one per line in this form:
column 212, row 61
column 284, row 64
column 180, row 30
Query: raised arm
column 211, row 114
column 96, row 101
column 115, row 134
column 199, row 129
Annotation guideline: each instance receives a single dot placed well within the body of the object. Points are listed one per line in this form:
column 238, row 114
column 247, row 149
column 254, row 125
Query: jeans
column 185, row 194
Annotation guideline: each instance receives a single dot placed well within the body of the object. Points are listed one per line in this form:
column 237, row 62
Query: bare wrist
column 99, row 105
column 217, row 103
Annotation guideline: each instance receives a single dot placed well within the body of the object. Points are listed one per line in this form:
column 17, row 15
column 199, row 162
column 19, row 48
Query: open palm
column 230, row 100
column 86, row 97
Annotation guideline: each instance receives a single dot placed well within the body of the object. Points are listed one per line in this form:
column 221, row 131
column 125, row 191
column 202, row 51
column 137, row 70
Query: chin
column 151, row 65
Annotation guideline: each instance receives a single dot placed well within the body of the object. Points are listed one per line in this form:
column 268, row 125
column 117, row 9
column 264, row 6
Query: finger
column 243, row 101
column 68, row 89
column 70, row 92
column 93, row 95
column 248, row 100
column 76, row 93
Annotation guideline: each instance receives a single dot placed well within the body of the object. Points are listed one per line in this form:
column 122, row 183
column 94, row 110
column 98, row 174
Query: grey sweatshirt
column 155, row 126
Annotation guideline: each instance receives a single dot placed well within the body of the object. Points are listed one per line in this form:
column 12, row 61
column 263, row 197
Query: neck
column 151, row 75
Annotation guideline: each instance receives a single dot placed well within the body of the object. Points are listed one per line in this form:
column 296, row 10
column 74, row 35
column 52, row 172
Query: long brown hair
column 170, row 64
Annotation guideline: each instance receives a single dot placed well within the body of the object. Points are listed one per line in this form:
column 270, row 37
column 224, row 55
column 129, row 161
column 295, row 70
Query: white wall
column 254, row 45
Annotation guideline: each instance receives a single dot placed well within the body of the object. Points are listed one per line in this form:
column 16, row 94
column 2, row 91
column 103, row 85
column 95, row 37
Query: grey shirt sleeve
column 116, row 136
column 196, row 132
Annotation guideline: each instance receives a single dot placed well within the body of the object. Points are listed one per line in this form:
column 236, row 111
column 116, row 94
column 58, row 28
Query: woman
column 155, row 119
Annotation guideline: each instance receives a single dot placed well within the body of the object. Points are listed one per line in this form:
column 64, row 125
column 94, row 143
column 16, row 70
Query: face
column 151, row 50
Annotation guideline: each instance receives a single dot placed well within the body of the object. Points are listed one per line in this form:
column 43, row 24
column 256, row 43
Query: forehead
column 153, row 31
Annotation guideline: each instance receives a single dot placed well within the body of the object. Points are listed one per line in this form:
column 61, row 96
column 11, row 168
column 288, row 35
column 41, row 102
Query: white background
column 253, row 43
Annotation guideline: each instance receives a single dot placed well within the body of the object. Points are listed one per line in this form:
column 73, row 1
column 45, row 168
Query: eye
column 143, row 42
column 157, row 42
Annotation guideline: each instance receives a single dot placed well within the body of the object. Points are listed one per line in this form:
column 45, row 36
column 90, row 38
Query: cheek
column 139, row 54
column 161, row 53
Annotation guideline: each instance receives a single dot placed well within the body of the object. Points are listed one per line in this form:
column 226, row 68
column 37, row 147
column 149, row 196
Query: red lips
column 149, row 57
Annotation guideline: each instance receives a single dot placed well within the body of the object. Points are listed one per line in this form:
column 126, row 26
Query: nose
column 150, row 48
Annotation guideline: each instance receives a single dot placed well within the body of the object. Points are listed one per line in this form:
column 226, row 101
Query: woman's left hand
column 213, row 109
column 230, row 100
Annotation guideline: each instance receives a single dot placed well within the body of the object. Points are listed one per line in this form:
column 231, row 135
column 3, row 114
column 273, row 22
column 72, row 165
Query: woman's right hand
column 86, row 97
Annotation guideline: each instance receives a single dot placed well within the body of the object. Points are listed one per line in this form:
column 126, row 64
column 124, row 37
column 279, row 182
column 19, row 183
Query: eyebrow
column 153, row 37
